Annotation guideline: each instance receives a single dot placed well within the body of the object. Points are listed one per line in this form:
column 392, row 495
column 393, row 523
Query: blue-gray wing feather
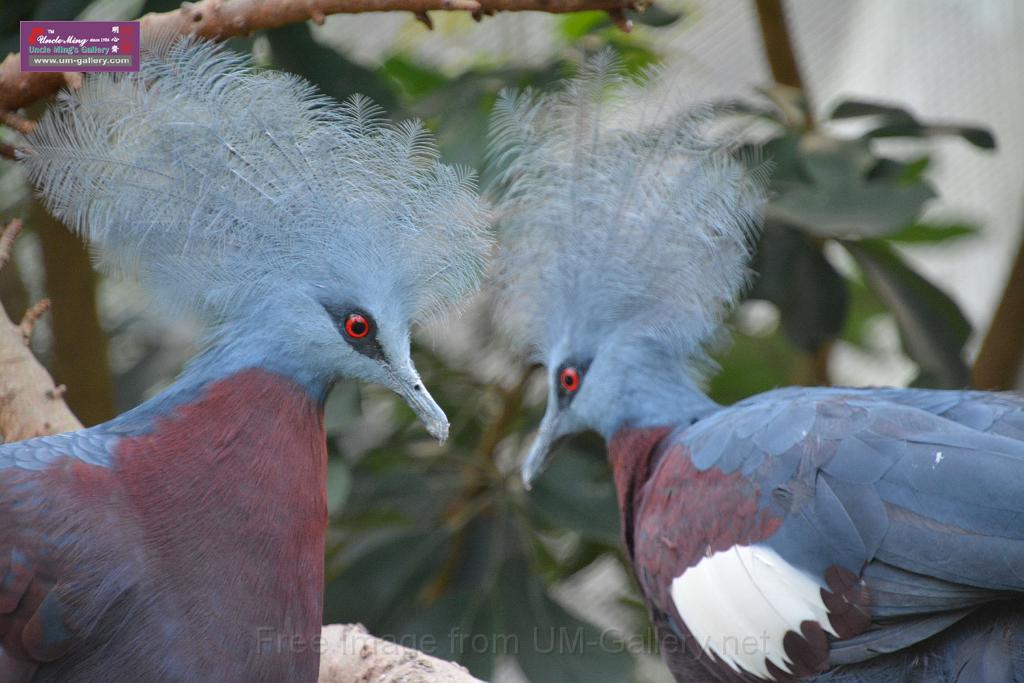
column 92, row 446
column 921, row 493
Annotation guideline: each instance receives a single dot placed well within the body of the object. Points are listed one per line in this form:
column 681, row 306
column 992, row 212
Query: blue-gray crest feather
column 619, row 214
column 217, row 183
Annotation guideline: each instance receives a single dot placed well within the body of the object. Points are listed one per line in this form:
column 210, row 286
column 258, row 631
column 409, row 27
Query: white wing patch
column 739, row 604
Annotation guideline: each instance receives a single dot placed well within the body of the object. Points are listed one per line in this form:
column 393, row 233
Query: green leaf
column 636, row 55
column 577, row 493
column 553, row 646
column 655, row 16
column 833, row 162
column 414, row 80
column 858, row 108
column 865, row 307
column 160, row 6
column 740, row 107
column 840, row 189
column 476, row 654
column 458, row 627
column 930, row 233
column 59, row 10
column 461, row 108
column 750, row 366
column 835, row 188
column 898, row 122
column 410, row 489
column 795, row 276
column 578, row 24
column 294, row 49
column 932, row 327
column 979, row 137
column 14, row 11
column 791, row 102
column 787, row 172
column 343, row 408
column 864, row 209
column 11, row 13
column 903, row 172
column 339, row 483
column 381, row 586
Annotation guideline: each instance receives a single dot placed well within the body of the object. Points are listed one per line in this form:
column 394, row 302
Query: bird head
column 309, row 236
column 377, row 350
column 625, row 226
column 348, row 333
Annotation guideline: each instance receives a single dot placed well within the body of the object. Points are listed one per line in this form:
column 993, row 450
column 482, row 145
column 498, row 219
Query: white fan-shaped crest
column 217, row 183
column 618, row 214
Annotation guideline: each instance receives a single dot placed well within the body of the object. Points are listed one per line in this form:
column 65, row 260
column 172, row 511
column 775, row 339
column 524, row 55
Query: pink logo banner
column 79, row 46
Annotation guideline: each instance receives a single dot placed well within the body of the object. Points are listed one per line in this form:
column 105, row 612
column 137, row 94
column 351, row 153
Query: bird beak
column 540, row 453
column 408, row 385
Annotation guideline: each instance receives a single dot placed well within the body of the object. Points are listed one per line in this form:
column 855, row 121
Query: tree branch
column 80, row 356
column 778, row 43
column 220, row 19
column 999, row 359
column 351, row 654
column 30, row 402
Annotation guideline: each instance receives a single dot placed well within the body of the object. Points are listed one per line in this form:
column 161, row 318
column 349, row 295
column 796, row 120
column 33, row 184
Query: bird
column 183, row 540
column 802, row 534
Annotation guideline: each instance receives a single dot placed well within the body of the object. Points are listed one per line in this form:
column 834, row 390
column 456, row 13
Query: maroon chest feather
column 631, row 453
column 230, row 492
column 218, row 515
column 677, row 513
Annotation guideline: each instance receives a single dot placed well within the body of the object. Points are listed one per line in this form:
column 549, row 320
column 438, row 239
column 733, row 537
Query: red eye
column 357, row 326
column 570, row 379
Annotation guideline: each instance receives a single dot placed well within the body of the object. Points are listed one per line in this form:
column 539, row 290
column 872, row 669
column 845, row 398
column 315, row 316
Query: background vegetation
column 441, row 548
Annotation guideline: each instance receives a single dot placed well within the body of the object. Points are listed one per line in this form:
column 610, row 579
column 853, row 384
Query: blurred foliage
column 441, row 548
column 448, row 549
column 445, row 547
column 828, row 188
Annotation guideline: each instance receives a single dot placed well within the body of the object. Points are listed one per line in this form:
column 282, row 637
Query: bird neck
column 229, row 356
column 657, row 396
column 632, row 456
column 649, row 389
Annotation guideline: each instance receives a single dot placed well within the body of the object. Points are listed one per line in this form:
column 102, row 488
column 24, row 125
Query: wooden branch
column 351, row 654
column 31, row 317
column 780, row 51
column 30, row 403
column 220, row 19
column 8, row 152
column 999, row 360
column 778, row 43
column 18, row 123
column 80, row 355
